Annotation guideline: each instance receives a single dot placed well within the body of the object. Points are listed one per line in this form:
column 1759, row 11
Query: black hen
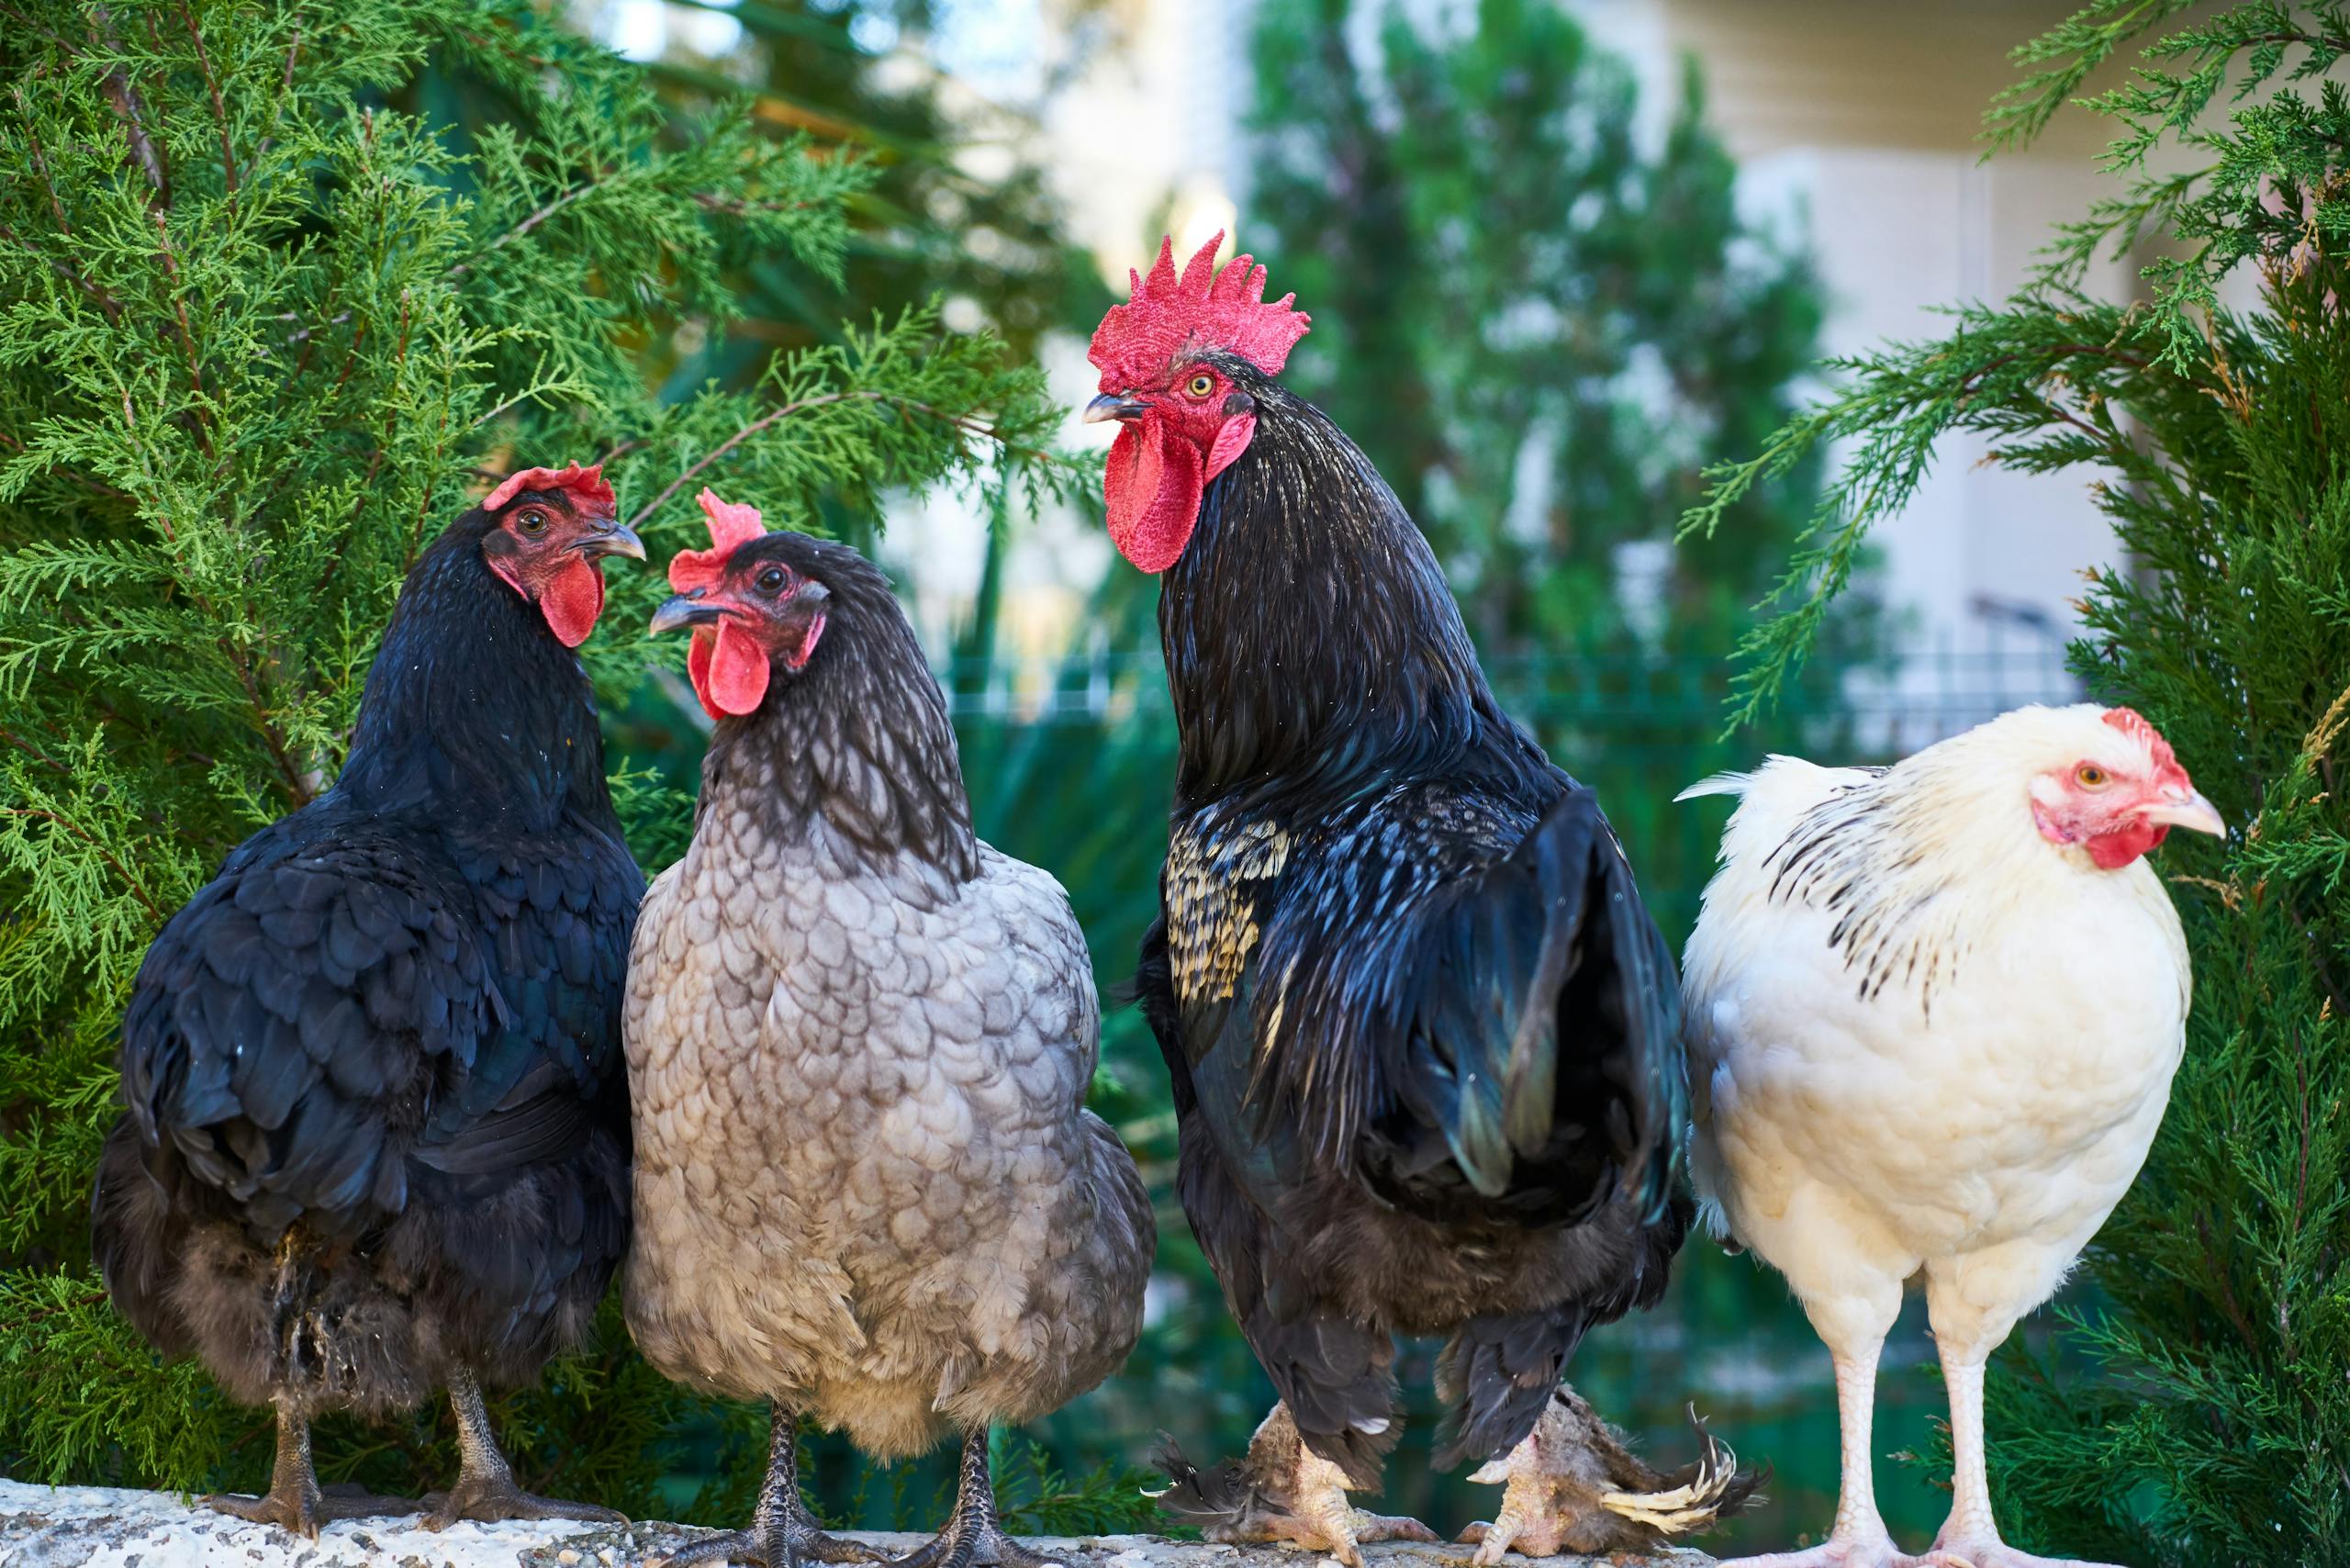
column 1424, row 1036
column 377, row 1135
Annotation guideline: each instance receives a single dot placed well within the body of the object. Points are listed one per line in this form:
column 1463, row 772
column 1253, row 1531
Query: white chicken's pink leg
column 1859, row 1538
column 1970, row 1537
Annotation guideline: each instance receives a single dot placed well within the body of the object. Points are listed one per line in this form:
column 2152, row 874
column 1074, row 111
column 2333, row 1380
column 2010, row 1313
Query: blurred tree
column 2200, row 1414
column 1538, row 321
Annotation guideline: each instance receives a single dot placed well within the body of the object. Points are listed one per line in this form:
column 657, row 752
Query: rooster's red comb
column 1204, row 308
column 587, row 484
column 732, row 525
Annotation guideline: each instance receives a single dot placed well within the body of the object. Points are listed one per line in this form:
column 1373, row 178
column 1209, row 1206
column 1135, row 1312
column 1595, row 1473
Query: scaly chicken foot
column 294, row 1501
column 974, row 1531
column 1307, row 1508
column 1554, row 1501
column 1970, row 1538
column 1859, row 1539
column 783, row 1533
column 485, row 1489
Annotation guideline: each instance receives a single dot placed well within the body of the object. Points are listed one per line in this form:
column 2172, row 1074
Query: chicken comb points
column 587, row 483
column 732, row 524
column 1205, row 306
column 2130, row 723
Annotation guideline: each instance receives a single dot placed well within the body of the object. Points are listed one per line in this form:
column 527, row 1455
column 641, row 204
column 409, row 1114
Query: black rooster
column 376, row 1136
column 1426, row 1049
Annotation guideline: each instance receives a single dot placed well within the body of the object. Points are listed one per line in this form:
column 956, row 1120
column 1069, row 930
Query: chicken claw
column 485, row 1489
column 294, row 1501
column 1847, row 1551
column 1993, row 1553
column 1284, row 1493
column 1573, row 1487
column 974, row 1532
column 783, row 1534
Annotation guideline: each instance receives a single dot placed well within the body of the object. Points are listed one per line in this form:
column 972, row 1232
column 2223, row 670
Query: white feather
column 1921, row 1036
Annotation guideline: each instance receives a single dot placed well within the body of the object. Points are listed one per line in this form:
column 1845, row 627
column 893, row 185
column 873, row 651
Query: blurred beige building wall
column 1863, row 118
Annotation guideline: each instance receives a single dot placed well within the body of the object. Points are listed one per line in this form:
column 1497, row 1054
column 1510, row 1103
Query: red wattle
column 574, row 598
column 729, row 670
column 1152, row 484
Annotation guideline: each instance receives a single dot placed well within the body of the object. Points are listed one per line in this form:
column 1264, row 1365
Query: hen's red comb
column 2130, row 723
column 732, row 525
column 587, row 484
column 1204, row 308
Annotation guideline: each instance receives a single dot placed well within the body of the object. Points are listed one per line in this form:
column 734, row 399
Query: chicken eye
column 534, row 521
column 771, row 580
column 2089, row 776
column 1200, row 385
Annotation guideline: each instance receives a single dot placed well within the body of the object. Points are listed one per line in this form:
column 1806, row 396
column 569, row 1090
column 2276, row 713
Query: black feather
column 1426, row 1058
column 335, row 1115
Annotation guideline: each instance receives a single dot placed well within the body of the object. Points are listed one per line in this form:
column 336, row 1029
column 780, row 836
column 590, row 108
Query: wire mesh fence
column 1917, row 695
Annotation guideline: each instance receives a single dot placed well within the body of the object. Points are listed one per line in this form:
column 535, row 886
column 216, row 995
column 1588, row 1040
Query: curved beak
column 1111, row 405
column 616, row 540
column 2192, row 813
column 685, row 610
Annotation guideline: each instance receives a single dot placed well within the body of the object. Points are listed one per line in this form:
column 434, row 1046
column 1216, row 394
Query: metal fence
column 1917, row 696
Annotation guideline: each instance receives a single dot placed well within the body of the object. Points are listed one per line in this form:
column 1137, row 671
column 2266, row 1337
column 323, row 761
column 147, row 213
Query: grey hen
column 859, row 1042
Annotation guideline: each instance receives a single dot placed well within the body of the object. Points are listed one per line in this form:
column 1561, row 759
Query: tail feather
column 1716, row 784
column 1499, row 1372
column 1547, row 1045
column 1216, row 1499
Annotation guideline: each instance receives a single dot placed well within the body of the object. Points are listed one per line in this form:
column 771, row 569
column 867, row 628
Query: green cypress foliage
column 2200, row 1412
column 266, row 323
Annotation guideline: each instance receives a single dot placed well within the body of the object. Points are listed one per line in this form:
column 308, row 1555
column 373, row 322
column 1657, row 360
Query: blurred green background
column 1409, row 205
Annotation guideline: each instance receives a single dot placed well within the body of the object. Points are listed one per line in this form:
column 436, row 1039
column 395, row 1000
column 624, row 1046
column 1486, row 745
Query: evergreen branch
column 188, row 333
column 131, row 110
column 136, row 889
column 219, row 110
column 967, row 424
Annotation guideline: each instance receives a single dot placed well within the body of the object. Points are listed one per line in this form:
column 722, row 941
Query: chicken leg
column 294, row 1501
column 1574, row 1486
column 783, row 1534
column 1858, row 1538
column 1970, row 1537
column 973, row 1526
column 485, row 1489
column 1284, row 1492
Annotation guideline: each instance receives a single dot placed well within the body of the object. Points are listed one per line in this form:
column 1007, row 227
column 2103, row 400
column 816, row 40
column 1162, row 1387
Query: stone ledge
column 72, row 1527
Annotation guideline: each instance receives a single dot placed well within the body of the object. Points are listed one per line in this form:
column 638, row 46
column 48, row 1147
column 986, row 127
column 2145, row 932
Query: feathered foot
column 1282, row 1491
column 485, row 1488
column 974, row 1533
column 294, row 1501
column 783, row 1534
column 1573, row 1487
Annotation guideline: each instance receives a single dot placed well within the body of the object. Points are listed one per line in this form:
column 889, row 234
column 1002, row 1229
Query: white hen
column 1934, row 1012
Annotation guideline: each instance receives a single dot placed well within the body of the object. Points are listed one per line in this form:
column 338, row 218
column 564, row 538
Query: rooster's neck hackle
column 473, row 707
column 1310, row 637
column 855, row 751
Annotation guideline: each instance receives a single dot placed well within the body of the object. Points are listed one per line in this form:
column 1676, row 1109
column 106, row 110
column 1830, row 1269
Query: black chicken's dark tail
column 1549, row 1040
column 1337, row 1379
column 1497, row 1372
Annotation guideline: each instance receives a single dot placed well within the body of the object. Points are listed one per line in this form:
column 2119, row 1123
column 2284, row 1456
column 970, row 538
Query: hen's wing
column 286, row 1030
column 343, row 1015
